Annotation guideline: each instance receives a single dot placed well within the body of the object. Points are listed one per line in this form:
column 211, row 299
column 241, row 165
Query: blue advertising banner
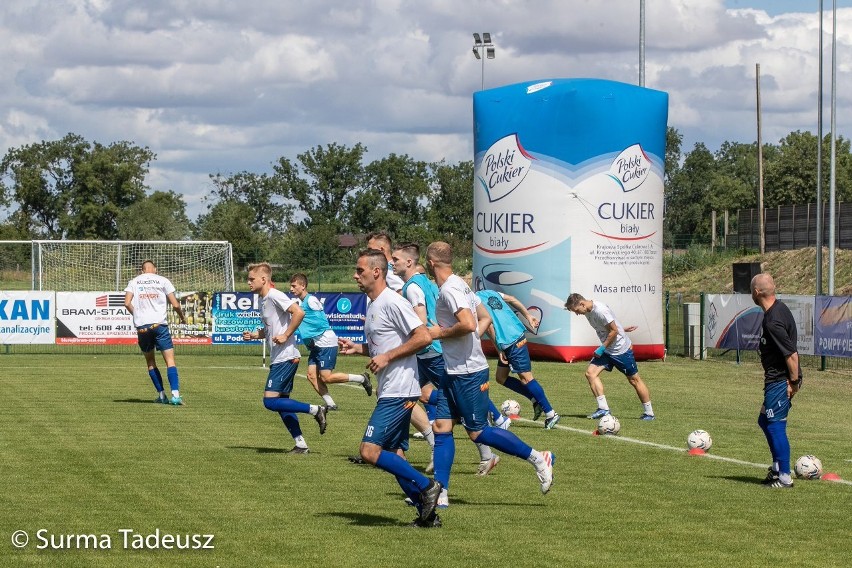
column 833, row 327
column 236, row 312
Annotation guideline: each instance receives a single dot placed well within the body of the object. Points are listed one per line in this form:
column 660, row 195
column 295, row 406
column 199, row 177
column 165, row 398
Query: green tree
column 392, row 199
column 71, row 188
column 687, row 203
column 790, row 173
column 264, row 194
column 232, row 221
column 159, row 216
column 334, row 172
column 451, row 215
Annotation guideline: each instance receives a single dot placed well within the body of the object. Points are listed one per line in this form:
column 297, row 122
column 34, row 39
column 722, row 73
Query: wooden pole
column 760, row 212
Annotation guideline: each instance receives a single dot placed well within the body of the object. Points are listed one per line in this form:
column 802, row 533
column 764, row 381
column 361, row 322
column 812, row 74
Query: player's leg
column 163, row 339
column 445, row 446
column 472, row 396
column 593, row 376
column 153, row 371
column 763, row 423
column 328, row 362
column 626, row 363
column 776, row 407
column 518, row 357
column 276, row 397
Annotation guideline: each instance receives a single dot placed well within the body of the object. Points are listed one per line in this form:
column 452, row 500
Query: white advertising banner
column 93, row 317
column 27, row 317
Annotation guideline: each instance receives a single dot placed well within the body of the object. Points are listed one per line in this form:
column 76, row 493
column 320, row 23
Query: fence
column 790, row 227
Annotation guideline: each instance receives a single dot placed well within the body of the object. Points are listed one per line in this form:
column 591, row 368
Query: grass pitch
column 84, row 451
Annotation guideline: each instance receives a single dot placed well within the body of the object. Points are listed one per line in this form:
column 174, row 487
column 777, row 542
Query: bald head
column 763, row 290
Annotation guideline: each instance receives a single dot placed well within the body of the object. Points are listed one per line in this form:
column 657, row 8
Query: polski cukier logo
column 630, row 168
column 503, row 168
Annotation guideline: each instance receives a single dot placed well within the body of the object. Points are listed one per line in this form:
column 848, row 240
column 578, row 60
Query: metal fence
column 790, row 227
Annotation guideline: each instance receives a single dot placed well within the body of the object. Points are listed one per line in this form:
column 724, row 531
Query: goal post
column 98, row 266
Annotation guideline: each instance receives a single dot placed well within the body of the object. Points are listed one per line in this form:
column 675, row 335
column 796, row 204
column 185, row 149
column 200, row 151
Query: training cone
column 596, row 433
column 515, row 416
column 696, row 452
column 830, row 477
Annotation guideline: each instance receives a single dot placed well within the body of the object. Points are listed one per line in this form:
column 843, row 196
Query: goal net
column 96, row 266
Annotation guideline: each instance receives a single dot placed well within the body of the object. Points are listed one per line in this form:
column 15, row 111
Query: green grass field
column 83, row 450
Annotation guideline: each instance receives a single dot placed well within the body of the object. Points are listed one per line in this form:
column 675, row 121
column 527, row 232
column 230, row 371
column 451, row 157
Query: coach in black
column 782, row 377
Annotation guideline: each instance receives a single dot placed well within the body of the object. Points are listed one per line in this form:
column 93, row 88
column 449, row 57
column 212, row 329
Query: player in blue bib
column 509, row 335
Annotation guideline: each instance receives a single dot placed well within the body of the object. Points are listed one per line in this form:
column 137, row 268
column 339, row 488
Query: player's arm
column 175, row 305
column 465, row 323
column 794, row 383
column 259, row 333
column 613, row 333
column 519, row 307
column 128, row 302
column 349, row 347
column 417, row 340
column 297, row 314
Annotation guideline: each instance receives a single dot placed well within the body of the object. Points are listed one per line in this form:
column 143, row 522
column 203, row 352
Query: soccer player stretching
column 394, row 335
column 615, row 350
column 321, row 342
column 145, row 298
column 281, row 317
column 782, row 377
column 460, row 317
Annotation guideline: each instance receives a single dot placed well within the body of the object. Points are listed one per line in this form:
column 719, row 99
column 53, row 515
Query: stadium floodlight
column 488, row 50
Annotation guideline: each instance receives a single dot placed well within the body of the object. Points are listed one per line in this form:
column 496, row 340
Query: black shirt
column 777, row 342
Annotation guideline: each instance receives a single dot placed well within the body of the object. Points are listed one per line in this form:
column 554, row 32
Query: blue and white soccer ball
column 808, row 467
column 510, row 408
column 699, row 439
column 609, row 424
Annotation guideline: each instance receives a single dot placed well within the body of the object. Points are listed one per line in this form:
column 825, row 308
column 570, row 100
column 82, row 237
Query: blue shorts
column 431, row 370
column 323, row 358
column 389, row 424
column 280, row 378
column 625, row 363
column 776, row 404
column 518, row 357
column 467, row 398
column 155, row 335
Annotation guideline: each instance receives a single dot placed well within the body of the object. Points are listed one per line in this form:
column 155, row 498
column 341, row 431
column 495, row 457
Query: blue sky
column 226, row 87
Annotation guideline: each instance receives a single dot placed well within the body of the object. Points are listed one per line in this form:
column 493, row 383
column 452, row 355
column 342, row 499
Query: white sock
column 647, row 408
column 176, row 393
column 550, row 414
column 429, row 436
column 602, row 402
column 776, row 467
column 300, row 442
column 163, row 395
column 785, row 478
column 314, row 409
column 485, row 452
column 328, row 400
column 356, row 379
column 536, row 459
column 500, row 420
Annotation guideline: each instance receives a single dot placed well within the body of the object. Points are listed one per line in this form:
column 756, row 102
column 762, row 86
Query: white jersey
column 276, row 320
column 387, row 325
column 328, row 337
column 149, row 298
column 394, row 282
column 462, row 355
column 600, row 318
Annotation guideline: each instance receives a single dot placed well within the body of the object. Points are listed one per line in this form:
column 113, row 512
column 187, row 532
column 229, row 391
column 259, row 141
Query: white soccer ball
column 699, row 439
column 510, row 408
column 808, row 467
column 609, row 424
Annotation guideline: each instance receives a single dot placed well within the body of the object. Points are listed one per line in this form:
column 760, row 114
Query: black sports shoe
column 429, row 499
column 367, row 384
column 778, row 484
column 357, row 460
column 537, row 410
column 771, row 477
column 299, row 450
column 320, row 417
column 431, row 523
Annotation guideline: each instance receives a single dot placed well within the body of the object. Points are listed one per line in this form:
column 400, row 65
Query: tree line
column 75, row 189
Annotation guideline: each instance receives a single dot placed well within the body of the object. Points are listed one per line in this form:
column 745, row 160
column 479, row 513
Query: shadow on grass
column 741, row 479
column 138, row 401
column 260, row 450
column 365, row 520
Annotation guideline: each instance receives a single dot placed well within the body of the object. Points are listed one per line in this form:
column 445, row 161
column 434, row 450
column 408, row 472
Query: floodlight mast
column 488, row 51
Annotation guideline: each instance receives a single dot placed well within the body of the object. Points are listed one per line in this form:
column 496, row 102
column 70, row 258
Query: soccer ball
column 510, row 408
column 609, row 424
column 808, row 467
column 699, row 439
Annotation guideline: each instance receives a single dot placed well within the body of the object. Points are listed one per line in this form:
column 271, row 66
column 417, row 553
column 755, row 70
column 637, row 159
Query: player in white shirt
column 462, row 319
column 394, row 335
column 615, row 350
column 281, row 318
column 146, row 298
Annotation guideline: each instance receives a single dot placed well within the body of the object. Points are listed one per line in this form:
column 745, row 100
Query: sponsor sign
column 27, row 317
column 833, row 326
column 93, row 318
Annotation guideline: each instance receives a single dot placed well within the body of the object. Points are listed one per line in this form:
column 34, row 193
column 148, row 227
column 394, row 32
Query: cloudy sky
column 225, row 86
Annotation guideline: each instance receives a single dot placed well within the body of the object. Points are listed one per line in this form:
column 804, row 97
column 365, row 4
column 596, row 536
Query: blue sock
column 778, row 432
column 171, row 373
column 492, row 410
column 763, row 422
column 286, row 405
column 538, row 394
column 409, row 489
column 430, row 411
column 517, row 386
column 433, row 397
column 502, row 440
column 445, row 453
column 291, row 422
column 156, row 379
column 392, row 463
